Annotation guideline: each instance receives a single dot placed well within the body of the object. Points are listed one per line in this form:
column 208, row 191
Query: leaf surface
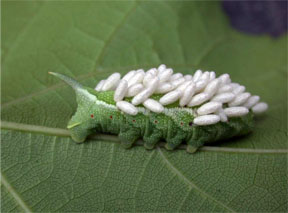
column 42, row 169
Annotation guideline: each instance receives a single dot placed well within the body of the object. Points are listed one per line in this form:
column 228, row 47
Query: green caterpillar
column 97, row 113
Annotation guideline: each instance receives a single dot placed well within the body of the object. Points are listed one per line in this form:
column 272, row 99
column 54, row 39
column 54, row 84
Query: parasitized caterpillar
column 159, row 105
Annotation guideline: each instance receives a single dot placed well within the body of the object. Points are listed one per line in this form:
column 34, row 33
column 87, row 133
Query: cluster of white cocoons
column 202, row 90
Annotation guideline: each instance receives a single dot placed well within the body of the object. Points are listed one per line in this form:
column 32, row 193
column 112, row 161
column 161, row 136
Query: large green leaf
column 42, row 169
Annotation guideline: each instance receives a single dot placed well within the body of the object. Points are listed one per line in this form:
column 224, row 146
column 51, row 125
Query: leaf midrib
column 114, row 139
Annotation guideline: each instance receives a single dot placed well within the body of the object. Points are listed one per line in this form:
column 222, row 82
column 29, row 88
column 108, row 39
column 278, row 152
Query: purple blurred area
column 257, row 17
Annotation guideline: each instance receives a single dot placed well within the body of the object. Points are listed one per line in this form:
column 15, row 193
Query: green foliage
column 44, row 170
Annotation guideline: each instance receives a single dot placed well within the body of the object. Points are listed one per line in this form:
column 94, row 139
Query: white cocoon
column 165, row 75
column 260, row 108
column 170, row 97
column 137, row 78
column 212, row 87
column 206, row 120
column 224, row 97
column 100, row 85
column 187, row 95
column 176, row 76
column 178, row 81
column 225, row 88
column 164, row 88
column 198, row 99
column 224, row 79
column 236, row 111
column 153, row 105
column 238, row 90
column 209, row 108
column 127, row 107
column 120, row 90
column 188, row 77
column 252, row 101
column 134, row 90
column 129, row 75
column 142, row 96
column 111, row 81
column 197, row 75
column 147, row 78
column 162, row 67
column 240, row 99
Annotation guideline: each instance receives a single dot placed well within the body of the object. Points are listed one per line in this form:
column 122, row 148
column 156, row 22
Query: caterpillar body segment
column 154, row 118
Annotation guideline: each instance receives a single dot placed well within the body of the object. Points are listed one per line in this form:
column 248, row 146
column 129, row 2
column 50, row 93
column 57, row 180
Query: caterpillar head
column 80, row 124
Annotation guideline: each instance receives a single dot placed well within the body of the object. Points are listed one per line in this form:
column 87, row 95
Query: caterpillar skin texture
column 97, row 113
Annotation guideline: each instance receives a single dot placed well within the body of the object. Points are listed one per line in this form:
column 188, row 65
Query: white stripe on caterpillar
column 198, row 99
column 209, row 108
column 134, row 90
column 111, row 81
column 240, row 99
column 153, row 105
column 100, row 85
column 206, row 120
column 224, row 97
column 170, row 97
column 127, row 107
column 236, row 111
column 121, row 90
column 187, row 95
column 252, row 101
column 260, row 108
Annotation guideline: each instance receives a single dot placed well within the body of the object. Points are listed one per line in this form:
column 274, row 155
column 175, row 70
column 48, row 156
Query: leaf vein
column 15, row 194
column 188, row 182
